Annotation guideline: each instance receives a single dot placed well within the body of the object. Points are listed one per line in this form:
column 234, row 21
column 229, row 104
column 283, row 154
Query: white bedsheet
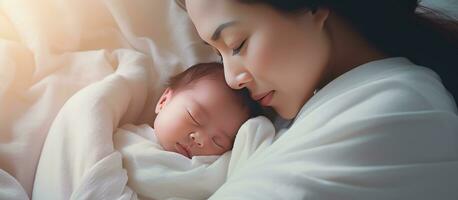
column 50, row 49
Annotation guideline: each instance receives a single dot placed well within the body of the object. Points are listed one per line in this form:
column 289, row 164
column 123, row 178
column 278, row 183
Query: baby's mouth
column 183, row 150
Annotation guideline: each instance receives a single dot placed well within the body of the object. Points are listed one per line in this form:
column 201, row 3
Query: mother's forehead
column 204, row 15
column 217, row 8
column 202, row 5
column 208, row 15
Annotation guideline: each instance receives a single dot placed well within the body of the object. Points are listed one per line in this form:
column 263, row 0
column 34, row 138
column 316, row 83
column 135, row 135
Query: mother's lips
column 260, row 96
column 264, row 98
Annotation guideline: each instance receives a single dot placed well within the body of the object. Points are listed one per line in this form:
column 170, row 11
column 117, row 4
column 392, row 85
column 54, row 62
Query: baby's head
column 198, row 114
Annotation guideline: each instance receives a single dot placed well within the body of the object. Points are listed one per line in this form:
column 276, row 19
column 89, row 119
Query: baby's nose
column 198, row 138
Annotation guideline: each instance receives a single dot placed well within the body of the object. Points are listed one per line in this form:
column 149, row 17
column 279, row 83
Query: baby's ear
column 165, row 98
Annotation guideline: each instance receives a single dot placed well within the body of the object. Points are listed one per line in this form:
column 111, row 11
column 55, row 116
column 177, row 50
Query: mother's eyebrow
column 216, row 35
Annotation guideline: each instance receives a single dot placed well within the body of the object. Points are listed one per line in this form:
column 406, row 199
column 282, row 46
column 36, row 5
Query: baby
column 198, row 114
column 198, row 117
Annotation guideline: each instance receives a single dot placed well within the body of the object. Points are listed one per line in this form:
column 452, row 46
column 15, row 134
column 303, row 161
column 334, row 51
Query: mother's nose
column 237, row 80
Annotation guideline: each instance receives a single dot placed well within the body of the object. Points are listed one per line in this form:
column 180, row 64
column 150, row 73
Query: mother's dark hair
column 396, row 27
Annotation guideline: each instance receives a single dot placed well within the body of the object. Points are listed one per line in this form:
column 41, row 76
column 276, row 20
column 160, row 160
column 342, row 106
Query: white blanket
column 157, row 174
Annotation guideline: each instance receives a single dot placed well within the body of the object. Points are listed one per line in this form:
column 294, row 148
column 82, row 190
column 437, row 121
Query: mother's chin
column 287, row 109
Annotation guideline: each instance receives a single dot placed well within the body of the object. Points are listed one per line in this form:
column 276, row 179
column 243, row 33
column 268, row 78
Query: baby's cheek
column 164, row 135
column 160, row 138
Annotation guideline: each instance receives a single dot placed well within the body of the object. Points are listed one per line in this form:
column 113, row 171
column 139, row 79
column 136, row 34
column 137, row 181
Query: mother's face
column 281, row 58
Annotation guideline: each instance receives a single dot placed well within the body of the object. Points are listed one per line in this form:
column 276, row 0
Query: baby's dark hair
column 198, row 71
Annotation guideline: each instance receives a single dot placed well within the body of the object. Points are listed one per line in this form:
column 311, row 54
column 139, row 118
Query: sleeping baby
column 198, row 114
column 186, row 154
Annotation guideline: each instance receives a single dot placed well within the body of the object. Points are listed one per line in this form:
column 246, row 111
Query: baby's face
column 202, row 120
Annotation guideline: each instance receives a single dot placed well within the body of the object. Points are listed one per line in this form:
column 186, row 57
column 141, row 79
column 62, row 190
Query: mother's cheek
column 260, row 53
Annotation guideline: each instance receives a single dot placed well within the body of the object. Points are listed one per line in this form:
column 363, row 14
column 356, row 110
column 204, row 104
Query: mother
column 368, row 121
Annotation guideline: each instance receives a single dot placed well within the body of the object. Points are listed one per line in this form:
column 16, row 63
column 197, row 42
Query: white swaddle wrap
column 157, row 174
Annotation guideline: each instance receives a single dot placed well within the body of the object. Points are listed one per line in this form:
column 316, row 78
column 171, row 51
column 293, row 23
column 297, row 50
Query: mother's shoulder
column 381, row 87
